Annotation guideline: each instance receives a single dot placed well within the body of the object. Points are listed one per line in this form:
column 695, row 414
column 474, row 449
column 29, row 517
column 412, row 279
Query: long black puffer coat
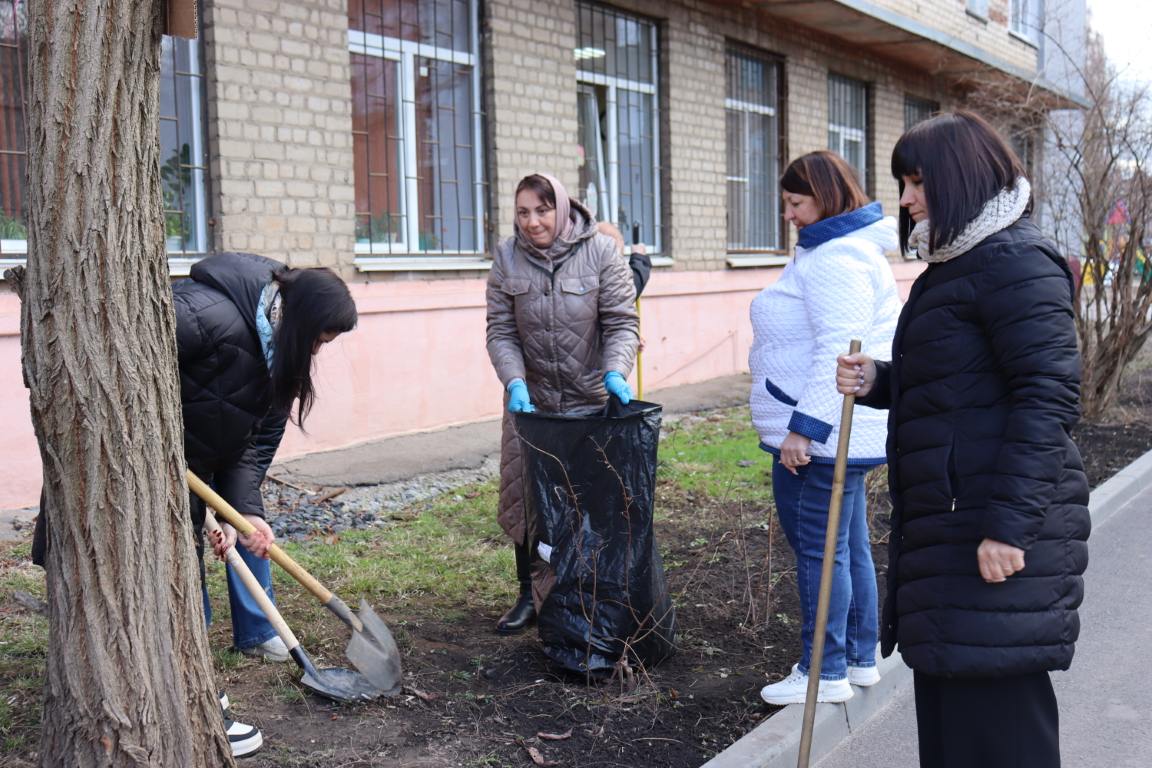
column 983, row 389
column 230, row 433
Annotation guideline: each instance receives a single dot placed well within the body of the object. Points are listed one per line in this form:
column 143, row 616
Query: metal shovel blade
column 374, row 652
column 341, row 685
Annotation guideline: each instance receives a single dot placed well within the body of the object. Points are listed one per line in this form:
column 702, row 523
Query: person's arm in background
column 641, row 265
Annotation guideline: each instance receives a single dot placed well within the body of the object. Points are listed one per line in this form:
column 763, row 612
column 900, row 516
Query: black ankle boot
column 523, row 613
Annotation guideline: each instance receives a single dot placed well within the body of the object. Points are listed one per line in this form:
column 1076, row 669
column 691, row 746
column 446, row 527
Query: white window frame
column 378, row 256
column 847, row 133
column 614, row 85
column 1026, row 20
column 14, row 253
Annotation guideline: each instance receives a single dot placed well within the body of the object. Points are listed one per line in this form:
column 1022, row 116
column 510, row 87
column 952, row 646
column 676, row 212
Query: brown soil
column 476, row 699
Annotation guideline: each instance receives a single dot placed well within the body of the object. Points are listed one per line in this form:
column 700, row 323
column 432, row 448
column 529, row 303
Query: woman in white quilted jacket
column 837, row 287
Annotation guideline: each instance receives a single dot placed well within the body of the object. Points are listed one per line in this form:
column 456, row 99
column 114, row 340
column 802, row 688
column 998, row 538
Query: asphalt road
column 1104, row 707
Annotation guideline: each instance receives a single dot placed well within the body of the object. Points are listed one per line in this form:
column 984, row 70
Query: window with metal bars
column 416, row 126
column 848, row 123
column 617, row 110
column 978, row 8
column 183, row 151
column 917, row 110
column 1026, row 19
column 753, row 117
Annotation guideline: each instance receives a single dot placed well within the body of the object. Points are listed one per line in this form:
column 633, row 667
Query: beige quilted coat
column 560, row 326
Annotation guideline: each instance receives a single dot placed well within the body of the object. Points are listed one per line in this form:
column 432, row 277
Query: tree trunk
column 129, row 681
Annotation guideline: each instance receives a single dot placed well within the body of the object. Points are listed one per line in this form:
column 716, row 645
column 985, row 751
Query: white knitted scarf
column 1001, row 212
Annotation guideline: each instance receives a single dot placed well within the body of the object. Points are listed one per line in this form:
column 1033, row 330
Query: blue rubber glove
column 616, row 385
column 518, row 401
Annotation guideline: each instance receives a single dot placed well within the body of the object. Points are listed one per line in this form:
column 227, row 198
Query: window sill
column 662, row 261
column 1020, row 36
column 748, row 260
column 178, row 266
column 975, row 16
column 461, row 262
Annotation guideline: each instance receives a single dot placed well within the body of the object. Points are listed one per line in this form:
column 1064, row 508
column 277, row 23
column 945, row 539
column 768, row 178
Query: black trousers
column 1009, row 722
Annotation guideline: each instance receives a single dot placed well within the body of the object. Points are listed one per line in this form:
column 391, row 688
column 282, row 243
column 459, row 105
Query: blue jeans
column 249, row 625
column 802, row 506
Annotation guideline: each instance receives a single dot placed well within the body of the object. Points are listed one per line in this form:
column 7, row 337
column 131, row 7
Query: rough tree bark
column 129, row 682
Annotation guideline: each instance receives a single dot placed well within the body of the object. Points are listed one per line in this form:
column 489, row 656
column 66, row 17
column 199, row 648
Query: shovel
column 824, row 597
column 372, row 649
column 336, row 684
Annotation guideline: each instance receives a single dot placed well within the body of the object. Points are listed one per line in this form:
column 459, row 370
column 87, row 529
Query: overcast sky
column 1126, row 26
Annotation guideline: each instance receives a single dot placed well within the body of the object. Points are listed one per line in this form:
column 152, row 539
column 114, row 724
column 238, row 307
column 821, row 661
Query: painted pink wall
column 417, row 361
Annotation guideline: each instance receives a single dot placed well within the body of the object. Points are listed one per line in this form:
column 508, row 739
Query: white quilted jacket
column 840, row 290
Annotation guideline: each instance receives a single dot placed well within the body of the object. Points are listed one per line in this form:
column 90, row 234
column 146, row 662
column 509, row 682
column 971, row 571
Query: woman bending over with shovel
column 838, row 287
column 247, row 330
column 989, row 515
column 562, row 336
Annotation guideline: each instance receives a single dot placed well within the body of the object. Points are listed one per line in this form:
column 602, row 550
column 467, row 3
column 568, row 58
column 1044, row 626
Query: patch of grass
column 718, row 455
column 23, row 641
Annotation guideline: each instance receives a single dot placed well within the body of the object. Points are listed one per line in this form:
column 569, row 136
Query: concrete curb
column 775, row 743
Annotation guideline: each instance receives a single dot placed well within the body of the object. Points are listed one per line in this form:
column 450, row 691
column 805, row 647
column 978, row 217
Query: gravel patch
column 297, row 513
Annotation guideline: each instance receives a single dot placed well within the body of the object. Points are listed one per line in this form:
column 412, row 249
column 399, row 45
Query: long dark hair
column 963, row 163
column 313, row 301
column 827, row 177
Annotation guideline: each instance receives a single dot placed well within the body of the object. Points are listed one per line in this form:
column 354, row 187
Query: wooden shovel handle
column 237, row 521
column 255, row 588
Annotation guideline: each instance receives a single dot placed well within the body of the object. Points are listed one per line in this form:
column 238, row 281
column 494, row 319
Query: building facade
column 385, row 138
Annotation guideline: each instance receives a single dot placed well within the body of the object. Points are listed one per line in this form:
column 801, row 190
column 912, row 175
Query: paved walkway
column 467, row 446
column 1104, row 709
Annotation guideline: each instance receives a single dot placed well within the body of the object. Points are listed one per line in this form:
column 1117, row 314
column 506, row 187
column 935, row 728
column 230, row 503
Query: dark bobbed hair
column 827, row 177
column 313, row 301
column 963, row 163
column 540, row 186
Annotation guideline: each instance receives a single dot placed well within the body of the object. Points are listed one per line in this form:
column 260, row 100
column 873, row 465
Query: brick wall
column 952, row 18
column 530, row 84
column 280, row 113
column 280, row 129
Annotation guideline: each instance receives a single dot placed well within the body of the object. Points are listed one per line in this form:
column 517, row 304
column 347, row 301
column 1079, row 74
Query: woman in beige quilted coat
column 562, row 336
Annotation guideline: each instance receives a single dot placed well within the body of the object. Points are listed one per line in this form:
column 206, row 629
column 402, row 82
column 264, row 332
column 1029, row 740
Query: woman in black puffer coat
column 990, row 518
column 247, row 328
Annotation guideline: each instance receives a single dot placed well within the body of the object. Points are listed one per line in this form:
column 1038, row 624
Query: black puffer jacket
column 983, row 389
column 230, row 435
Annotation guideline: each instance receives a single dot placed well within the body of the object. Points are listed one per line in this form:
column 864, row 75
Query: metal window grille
column 183, row 152
column 617, row 110
column 416, row 126
column 1026, row 18
column 917, row 110
column 752, row 113
column 848, row 122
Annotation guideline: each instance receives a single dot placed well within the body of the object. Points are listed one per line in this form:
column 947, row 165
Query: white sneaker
column 863, row 676
column 244, row 739
column 269, row 650
column 794, row 688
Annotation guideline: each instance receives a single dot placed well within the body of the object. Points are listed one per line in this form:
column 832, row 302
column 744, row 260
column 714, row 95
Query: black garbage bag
column 590, row 480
